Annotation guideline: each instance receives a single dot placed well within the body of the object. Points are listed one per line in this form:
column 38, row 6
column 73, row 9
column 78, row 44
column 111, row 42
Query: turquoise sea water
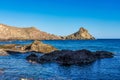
column 16, row 67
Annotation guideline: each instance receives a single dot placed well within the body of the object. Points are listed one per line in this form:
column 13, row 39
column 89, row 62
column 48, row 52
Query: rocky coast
column 52, row 54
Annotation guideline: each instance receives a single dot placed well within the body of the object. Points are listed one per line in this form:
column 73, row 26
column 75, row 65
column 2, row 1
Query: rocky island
column 81, row 34
column 31, row 33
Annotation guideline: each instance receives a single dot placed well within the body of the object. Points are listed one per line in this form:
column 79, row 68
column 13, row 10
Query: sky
column 63, row 17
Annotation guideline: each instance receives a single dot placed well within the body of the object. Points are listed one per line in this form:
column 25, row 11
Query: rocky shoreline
column 35, row 46
column 52, row 54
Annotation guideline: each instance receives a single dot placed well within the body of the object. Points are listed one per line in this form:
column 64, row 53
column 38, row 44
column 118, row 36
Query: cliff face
column 80, row 34
column 14, row 33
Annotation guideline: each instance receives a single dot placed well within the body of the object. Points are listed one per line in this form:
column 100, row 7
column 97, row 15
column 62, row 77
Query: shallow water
column 15, row 66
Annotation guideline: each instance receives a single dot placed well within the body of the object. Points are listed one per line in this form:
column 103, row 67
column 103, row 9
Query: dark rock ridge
column 80, row 34
column 31, row 33
column 14, row 33
column 69, row 57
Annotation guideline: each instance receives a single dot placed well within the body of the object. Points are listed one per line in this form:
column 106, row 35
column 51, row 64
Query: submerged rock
column 24, row 79
column 69, row 57
column 3, row 52
column 2, row 71
column 103, row 54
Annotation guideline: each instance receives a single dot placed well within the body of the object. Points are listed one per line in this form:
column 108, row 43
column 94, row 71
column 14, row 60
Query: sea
column 16, row 67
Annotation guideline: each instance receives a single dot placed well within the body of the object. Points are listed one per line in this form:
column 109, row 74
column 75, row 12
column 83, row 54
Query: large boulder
column 69, row 57
column 40, row 47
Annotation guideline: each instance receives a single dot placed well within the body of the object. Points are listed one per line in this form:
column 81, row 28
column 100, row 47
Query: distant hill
column 80, row 34
column 31, row 33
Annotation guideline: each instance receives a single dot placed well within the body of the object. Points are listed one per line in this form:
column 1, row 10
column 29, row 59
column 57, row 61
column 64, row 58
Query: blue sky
column 63, row 17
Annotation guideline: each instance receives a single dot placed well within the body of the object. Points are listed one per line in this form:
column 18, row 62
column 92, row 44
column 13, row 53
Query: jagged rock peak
column 82, row 33
column 82, row 29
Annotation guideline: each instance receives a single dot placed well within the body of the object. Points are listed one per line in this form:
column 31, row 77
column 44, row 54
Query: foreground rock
column 80, row 34
column 32, row 58
column 36, row 46
column 40, row 47
column 68, row 57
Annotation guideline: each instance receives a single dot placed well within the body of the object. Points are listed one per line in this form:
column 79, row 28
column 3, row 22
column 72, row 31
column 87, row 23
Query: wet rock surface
column 32, row 58
column 69, row 57
column 40, row 47
column 36, row 46
column 3, row 52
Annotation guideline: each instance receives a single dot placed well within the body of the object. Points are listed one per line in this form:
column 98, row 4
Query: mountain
column 80, row 34
column 31, row 33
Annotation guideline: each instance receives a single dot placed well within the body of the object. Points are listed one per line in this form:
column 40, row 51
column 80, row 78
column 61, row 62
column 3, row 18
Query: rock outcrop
column 13, row 48
column 36, row 46
column 14, row 33
column 81, row 34
column 40, row 47
column 69, row 57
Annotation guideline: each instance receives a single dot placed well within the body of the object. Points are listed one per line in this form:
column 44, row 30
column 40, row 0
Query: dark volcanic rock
column 103, row 54
column 32, row 58
column 68, row 57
